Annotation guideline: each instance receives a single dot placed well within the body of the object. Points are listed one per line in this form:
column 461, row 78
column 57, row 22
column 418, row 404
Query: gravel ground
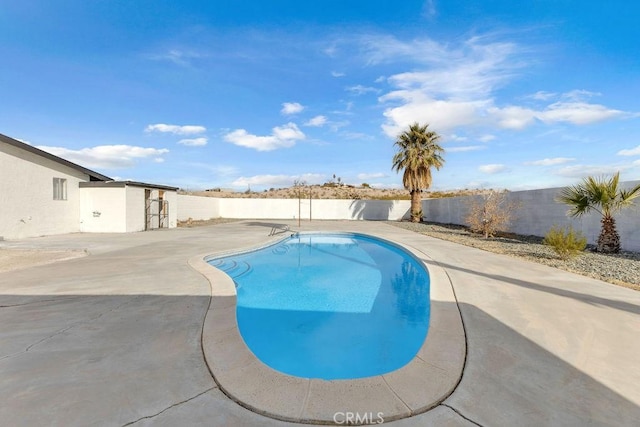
column 620, row 269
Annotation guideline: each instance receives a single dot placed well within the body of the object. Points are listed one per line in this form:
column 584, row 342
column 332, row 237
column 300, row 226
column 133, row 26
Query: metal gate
column 157, row 214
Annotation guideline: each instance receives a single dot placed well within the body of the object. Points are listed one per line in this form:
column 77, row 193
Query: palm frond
column 628, row 196
column 577, row 198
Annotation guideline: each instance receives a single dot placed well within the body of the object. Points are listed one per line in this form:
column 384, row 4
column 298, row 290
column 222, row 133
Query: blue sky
column 239, row 94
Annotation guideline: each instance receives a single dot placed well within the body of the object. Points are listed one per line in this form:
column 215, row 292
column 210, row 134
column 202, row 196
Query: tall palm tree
column 418, row 152
column 605, row 197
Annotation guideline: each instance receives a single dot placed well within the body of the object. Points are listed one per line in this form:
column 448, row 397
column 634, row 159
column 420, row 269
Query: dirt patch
column 190, row 223
column 17, row 259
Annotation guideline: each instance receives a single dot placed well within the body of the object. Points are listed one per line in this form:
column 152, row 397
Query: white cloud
column 465, row 148
column 107, row 156
column 178, row 57
column 331, row 51
column 385, row 49
column 578, row 113
column 317, row 121
column 472, row 70
column 176, row 129
column 493, row 168
column 289, row 108
column 277, row 180
column 542, row 95
column 581, row 171
column 551, row 161
column 513, row 117
column 429, row 9
column 579, row 95
column 362, row 90
column 486, row 138
column 452, row 89
column 224, row 170
column 365, row 176
column 194, row 142
column 336, row 126
column 454, row 86
column 281, row 137
column 218, row 170
column 440, row 114
column 459, row 138
column 630, row 152
column 337, row 74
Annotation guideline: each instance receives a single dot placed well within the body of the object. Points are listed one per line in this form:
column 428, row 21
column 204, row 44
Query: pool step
column 233, row 268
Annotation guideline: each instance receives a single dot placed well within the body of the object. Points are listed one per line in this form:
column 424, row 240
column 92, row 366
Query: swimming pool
column 330, row 306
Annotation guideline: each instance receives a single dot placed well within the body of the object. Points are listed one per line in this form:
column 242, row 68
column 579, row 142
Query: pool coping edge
column 398, row 394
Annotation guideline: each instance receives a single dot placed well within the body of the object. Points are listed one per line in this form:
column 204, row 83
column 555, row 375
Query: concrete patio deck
column 114, row 338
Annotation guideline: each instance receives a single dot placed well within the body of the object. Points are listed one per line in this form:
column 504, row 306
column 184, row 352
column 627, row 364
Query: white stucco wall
column 27, row 208
column 172, row 198
column 259, row 208
column 196, row 207
column 102, row 209
column 120, row 209
column 538, row 212
column 135, row 216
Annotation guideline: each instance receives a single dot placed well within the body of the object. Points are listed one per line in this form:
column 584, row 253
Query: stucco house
column 43, row 194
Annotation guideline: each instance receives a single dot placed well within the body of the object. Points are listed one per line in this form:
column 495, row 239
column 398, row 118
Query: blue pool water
column 330, row 306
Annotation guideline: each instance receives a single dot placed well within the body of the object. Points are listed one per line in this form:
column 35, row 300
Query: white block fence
column 198, row 207
column 538, row 212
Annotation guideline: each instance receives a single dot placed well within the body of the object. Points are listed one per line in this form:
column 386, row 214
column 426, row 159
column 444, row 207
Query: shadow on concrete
column 77, row 359
column 511, row 380
column 586, row 298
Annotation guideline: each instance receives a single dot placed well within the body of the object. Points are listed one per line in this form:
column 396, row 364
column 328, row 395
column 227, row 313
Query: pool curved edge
column 420, row 385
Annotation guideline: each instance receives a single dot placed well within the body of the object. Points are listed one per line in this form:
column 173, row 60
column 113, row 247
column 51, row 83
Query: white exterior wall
column 259, row 208
column 172, row 197
column 102, row 209
column 27, row 208
column 538, row 212
column 106, row 209
column 135, row 215
column 111, row 209
column 197, row 207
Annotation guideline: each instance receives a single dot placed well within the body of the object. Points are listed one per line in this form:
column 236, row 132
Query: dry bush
column 490, row 212
column 566, row 243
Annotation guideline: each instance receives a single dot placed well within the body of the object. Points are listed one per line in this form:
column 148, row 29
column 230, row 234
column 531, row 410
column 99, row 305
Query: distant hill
column 329, row 191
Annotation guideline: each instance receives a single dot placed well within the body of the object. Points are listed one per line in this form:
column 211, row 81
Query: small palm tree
column 605, row 197
column 418, row 152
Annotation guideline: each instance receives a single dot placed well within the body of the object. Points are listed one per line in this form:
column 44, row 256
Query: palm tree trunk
column 416, row 206
column 609, row 239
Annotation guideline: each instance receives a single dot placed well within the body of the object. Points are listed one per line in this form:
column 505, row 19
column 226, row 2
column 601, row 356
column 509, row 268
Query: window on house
column 59, row 189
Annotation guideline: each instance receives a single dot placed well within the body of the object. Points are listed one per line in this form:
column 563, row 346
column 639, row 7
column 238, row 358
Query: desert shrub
column 490, row 213
column 566, row 243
